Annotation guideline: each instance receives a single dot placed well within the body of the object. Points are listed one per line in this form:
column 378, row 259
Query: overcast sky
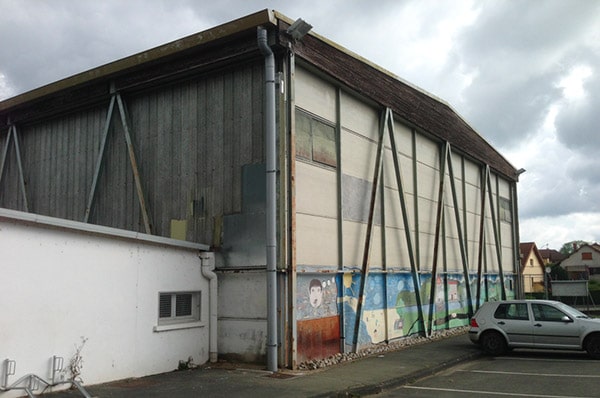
column 524, row 74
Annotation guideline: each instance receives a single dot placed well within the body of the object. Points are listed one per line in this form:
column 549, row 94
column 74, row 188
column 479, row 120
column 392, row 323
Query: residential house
column 532, row 268
column 551, row 256
column 584, row 262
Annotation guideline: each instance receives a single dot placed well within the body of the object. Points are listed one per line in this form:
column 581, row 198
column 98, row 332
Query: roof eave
column 263, row 17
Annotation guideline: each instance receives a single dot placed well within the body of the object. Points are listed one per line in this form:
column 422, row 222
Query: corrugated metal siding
column 190, row 139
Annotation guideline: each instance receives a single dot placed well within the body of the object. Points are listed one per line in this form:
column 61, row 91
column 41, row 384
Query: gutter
column 271, row 173
column 207, row 260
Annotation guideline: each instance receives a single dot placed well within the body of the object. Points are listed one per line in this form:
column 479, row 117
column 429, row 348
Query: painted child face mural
column 315, row 293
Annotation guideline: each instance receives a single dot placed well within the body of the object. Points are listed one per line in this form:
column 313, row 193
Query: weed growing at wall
column 76, row 361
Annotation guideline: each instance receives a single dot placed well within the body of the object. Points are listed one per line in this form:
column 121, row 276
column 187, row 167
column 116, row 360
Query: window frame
column 505, row 206
column 314, row 154
column 587, row 256
column 503, row 312
column 191, row 317
column 539, row 314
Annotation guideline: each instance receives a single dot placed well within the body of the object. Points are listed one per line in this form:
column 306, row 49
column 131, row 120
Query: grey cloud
column 578, row 123
column 46, row 41
column 518, row 51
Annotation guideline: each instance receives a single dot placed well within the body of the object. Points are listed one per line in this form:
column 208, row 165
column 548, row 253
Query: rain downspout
column 207, row 261
column 271, row 238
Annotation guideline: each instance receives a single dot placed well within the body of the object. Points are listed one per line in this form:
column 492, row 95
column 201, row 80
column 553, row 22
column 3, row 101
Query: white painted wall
column 61, row 284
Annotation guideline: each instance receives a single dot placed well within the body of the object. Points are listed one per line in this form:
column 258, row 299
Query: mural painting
column 389, row 310
column 316, row 296
column 318, row 322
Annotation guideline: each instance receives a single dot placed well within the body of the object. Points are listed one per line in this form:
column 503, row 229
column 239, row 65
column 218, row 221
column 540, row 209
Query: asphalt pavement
column 360, row 377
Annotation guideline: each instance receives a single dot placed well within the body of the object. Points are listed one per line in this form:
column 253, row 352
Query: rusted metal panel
column 318, row 338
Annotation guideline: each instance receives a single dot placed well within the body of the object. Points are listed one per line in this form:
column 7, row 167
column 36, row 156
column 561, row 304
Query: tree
column 569, row 247
column 558, row 273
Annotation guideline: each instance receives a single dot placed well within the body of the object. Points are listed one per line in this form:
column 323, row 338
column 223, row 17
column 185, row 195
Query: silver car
column 502, row 325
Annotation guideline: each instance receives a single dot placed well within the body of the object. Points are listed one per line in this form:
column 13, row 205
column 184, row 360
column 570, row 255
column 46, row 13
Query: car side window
column 517, row 311
column 547, row 313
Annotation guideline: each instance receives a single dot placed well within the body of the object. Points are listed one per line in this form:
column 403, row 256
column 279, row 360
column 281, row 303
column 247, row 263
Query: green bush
column 593, row 285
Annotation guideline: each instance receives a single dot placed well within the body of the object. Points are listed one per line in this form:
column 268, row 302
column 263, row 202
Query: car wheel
column 592, row 346
column 493, row 343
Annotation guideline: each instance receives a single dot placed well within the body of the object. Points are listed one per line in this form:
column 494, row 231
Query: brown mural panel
column 318, row 338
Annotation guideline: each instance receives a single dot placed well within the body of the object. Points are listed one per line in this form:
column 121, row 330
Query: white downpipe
column 207, row 260
column 271, row 238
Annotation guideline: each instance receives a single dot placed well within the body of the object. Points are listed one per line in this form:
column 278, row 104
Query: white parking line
column 531, row 374
column 487, row 393
column 543, row 360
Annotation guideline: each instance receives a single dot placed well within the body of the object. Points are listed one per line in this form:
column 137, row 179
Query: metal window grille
column 164, row 306
column 183, row 304
column 178, row 307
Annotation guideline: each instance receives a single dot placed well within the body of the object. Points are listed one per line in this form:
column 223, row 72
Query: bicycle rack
column 31, row 382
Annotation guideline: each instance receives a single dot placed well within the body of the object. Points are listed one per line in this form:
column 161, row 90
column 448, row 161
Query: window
column 505, row 210
column 531, row 262
column 543, row 312
column 315, row 139
column 178, row 307
column 586, row 256
column 516, row 311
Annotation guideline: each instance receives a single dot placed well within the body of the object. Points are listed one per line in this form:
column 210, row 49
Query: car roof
column 536, row 301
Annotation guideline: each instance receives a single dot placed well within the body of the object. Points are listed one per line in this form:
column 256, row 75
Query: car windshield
column 571, row 311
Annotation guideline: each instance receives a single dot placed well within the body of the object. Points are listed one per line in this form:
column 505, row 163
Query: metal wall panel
column 316, row 192
column 190, row 138
column 358, row 117
column 316, row 242
column 358, row 155
column 315, row 95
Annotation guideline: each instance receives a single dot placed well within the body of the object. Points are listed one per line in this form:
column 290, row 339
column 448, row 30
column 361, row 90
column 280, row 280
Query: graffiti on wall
column 316, row 296
column 318, row 325
column 390, row 307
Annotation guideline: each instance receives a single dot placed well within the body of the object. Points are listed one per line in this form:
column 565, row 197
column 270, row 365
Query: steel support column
column 99, row 160
column 409, row 246
column 495, row 227
column 12, row 132
column 367, row 246
column 483, row 184
column 134, row 166
column 438, row 225
column 5, row 152
column 116, row 97
column 461, row 240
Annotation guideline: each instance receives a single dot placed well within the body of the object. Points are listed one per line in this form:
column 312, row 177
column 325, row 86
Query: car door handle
column 501, row 323
column 538, row 325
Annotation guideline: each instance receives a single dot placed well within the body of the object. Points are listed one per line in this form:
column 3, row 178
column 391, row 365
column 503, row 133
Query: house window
column 178, row 307
column 531, row 262
column 586, row 256
column 505, row 211
column 315, row 139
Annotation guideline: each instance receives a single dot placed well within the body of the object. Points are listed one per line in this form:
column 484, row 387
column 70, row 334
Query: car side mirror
column 566, row 319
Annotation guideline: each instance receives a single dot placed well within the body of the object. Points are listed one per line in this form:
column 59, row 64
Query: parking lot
column 522, row 373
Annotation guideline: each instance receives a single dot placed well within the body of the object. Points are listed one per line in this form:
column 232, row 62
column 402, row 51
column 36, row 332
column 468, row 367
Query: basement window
column 176, row 308
column 315, row 139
